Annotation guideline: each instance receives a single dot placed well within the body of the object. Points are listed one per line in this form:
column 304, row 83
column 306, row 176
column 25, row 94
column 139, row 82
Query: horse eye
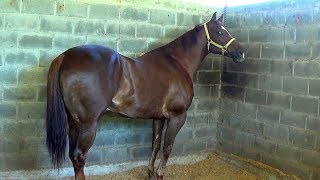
column 220, row 32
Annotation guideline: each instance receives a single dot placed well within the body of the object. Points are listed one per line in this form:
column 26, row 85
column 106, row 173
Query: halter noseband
column 223, row 48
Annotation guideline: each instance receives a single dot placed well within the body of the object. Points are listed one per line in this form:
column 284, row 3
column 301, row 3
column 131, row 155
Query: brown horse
column 86, row 81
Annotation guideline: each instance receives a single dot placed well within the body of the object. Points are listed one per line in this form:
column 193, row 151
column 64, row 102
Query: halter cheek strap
column 223, row 48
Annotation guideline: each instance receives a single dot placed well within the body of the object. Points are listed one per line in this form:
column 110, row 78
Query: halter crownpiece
column 223, row 48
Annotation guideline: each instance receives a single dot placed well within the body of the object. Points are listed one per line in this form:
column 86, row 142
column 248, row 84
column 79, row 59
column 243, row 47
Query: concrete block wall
column 33, row 32
column 269, row 106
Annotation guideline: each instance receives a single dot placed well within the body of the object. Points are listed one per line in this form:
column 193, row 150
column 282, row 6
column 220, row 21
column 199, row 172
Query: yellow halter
column 223, row 48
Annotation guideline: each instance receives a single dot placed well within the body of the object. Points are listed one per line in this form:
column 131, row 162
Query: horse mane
column 184, row 40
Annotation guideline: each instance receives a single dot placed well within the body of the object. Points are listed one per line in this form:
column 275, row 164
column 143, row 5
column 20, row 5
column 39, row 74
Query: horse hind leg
column 81, row 137
column 173, row 127
column 156, row 143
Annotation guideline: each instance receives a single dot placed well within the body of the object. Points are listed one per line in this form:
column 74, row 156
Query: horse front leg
column 156, row 144
column 173, row 127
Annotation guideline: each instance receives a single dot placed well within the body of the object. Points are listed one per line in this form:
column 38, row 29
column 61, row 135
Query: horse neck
column 190, row 50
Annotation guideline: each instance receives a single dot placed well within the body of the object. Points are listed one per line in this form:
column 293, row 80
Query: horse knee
column 78, row 159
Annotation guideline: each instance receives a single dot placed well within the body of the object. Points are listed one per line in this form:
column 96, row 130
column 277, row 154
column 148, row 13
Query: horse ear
column 221, row 18
column 214, row 16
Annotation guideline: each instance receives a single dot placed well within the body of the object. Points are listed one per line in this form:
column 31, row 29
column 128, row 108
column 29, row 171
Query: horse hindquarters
column 56, row 120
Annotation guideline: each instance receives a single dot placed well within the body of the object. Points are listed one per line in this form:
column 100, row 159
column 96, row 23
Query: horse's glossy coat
column 86, row 81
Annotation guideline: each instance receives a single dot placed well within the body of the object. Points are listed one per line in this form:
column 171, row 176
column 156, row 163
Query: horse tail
column 57, row 118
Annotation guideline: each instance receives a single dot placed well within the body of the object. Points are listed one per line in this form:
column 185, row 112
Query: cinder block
column 277, row 34
column 206, row 64
column 19, row 93
column 174, row 32
column 8, row 39
column 103, row 11
column 259, row 35
column 208, row 77
column 116, row 154
column 132, row 45
column 35, row 41
column 310, row 158
column 142, row 152
column 276, row 133
column 265, row 146
column 94, row 157
column 293, row 119
column 272, row 51
column 31, row 110
column 306, row 33
column 281, row 68
column 295, row 85
column 8, row 110
column 108, row 42
column 270, row 83
column 314, row 87
column 227, row 105
column 32, row 75
column 46, row 57
column 252, row 50
column 244, row 139
column 248, row 80
column 130, row 13
column 10, row 6
column 313, row 123
column 38, row 7
column 216, row 64
column 8, row 75
column 185, row 134
column 187, row 19
column 197, row 119
column 298, row 51
column 250, row 65
column 251, row 19
column 230, row 78
column 18, row 58
column 202, row 91
column 22, row 22
column 207, row 104
column 253, row 127
column 305, row 104
column 42, row 93
column 256, row 96
column 148, row 31
column 230, row 120
column 302, row 138
column 289, row 153
column 278, row 100
column 241, row 35
column 194, row 146
column 247, row 110
column 89, row 27
column 209, row 132
column 72, row 9
column 51, row 24
column 122, row 138
column 105, row 138
column 64, row 41
column 112, row 29
column 307, row 69
column 162, row 17
column 127, row 30
column 232, row 92
column 268, row 114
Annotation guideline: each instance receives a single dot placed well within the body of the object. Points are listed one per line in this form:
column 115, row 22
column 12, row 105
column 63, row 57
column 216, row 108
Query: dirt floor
column 210, row 169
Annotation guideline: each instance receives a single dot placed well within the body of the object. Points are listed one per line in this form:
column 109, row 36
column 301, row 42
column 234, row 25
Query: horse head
column 220, row 41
